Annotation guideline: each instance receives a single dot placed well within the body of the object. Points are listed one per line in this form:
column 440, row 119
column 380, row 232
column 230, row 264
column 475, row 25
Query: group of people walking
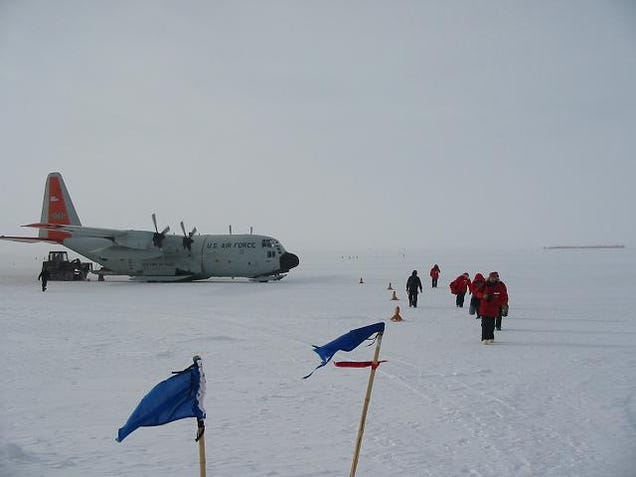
column 489, row 297
column 489, row 301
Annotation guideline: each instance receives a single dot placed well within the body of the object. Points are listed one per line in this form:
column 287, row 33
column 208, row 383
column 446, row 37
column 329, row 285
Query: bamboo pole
column 200, row 421
column 201, row 440
column 365, row 407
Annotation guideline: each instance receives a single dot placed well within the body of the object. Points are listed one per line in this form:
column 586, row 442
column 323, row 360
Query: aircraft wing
column 135, row 239
column 13, row 238
column 78, row 230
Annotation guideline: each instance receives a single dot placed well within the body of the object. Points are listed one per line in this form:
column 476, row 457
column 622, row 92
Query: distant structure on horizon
column 582, row 246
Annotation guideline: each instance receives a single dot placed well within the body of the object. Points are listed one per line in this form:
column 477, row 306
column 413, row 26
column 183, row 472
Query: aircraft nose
column 288, row 261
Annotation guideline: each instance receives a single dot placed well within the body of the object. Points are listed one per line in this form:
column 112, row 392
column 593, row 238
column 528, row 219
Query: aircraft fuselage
column 252, row 256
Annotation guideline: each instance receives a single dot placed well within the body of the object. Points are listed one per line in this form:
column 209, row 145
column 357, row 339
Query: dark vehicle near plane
column 61, row 269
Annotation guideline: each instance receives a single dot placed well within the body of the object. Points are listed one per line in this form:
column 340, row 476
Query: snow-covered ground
column 554, row 396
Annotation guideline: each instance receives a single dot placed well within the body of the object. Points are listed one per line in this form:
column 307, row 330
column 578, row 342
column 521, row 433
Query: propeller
column 157, row 237
column 187, row 238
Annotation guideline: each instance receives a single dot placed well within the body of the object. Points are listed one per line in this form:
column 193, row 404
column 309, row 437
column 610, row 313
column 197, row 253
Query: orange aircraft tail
column 57, row 208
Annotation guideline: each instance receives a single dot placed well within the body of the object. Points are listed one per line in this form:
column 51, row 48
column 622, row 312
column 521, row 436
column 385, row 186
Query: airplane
column 156, row 256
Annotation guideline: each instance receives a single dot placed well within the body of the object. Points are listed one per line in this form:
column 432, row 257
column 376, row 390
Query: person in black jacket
column 413, row 287
column 45, row 276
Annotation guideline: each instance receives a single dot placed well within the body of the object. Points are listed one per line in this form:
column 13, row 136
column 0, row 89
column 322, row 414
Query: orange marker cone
column 396, row 316
column 390, row 287
column 394, row 297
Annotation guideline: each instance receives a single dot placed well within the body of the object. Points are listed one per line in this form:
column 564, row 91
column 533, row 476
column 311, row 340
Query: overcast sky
column 327, row 124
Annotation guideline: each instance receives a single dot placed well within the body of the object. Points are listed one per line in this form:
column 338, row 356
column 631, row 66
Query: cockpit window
column 266, row 243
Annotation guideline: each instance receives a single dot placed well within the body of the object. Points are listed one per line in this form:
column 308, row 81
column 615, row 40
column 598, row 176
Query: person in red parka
column 434, row 275
column 459, row 287
column 494, row 295
column 475, row 288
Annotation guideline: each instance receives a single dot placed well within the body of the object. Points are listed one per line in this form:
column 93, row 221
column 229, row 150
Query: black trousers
column 498, row 321
column 474, row 304
column 459, row 301
column 434, row 282
column 413, row 298
column 487, row 328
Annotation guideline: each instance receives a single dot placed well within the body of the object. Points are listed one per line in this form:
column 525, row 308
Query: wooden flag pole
column 200, row 421
column 365, row 408
column 201, row 440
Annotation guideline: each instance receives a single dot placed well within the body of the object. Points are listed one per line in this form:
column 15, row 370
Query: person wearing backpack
column 459, row 287
column 413, row 287
column 494, row 297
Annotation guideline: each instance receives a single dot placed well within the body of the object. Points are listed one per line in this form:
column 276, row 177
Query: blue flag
column 175, row 398
column 346, row 342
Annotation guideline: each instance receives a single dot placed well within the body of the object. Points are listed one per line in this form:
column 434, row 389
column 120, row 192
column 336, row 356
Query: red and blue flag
column 346, row 342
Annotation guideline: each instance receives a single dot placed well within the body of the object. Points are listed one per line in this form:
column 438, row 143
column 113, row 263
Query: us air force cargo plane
column 156, row 256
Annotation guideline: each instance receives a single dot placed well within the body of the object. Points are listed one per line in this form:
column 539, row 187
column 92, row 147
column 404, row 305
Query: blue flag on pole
column 346, row 342
column 175, row 398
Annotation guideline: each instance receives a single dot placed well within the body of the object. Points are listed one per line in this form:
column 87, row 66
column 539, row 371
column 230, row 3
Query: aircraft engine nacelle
column 135, row 239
